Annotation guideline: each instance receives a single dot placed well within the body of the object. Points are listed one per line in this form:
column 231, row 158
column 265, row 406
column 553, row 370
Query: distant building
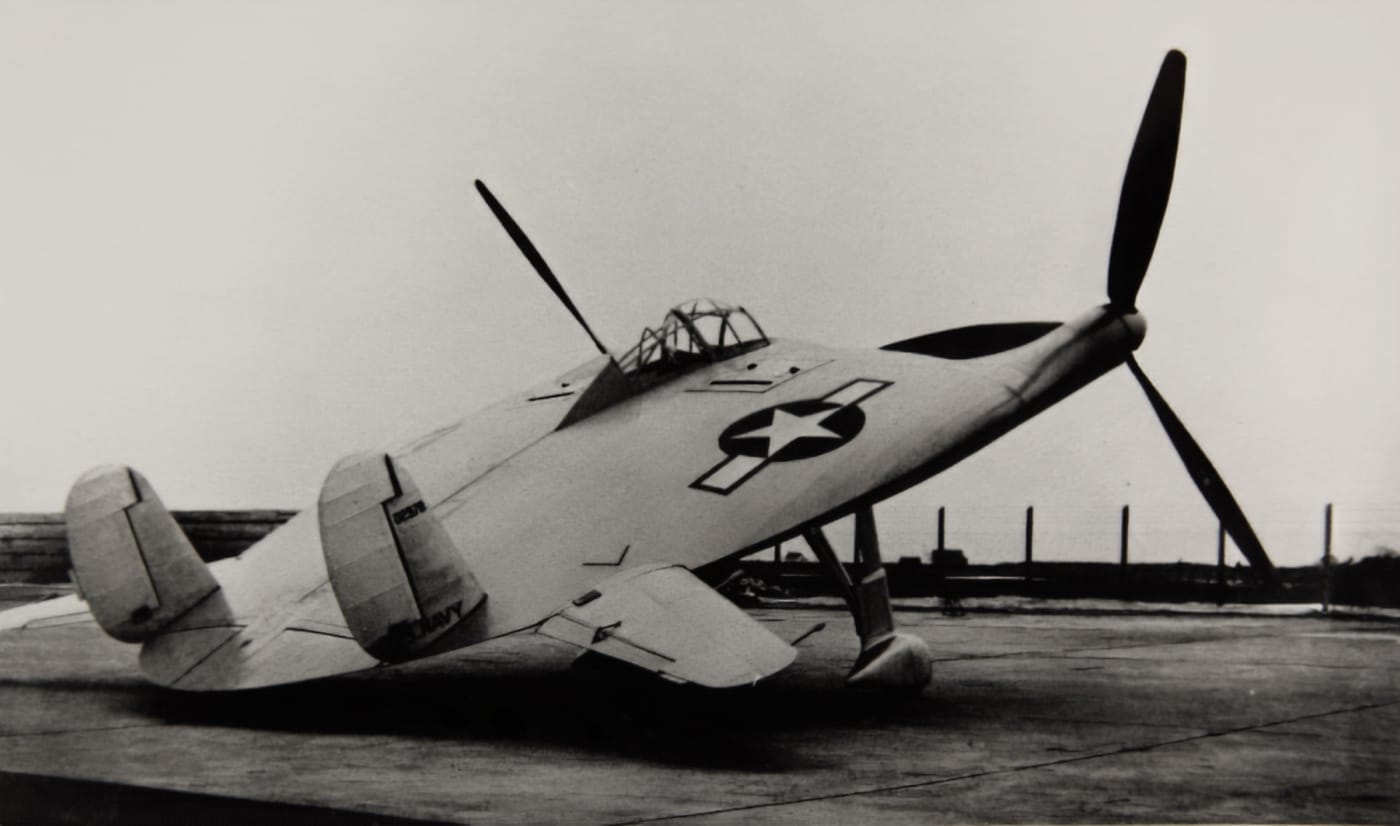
column 947, row 558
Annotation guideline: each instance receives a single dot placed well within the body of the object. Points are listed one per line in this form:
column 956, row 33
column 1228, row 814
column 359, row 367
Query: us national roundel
column 796, row 430
column 788, row 432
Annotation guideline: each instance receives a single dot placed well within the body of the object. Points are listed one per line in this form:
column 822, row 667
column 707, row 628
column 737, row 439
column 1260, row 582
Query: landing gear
column 888, row 659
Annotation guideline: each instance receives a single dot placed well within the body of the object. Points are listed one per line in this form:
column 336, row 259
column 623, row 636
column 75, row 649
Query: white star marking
column 787, row 428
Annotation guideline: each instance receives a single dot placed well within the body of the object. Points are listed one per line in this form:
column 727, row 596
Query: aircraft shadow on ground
column 608, row 710
column 788, row 721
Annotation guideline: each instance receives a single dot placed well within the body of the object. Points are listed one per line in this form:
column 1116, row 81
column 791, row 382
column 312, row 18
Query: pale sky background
column 239, row 240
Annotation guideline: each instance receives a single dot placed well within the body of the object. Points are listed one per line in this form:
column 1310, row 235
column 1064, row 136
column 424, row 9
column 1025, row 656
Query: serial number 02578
column 404, row 514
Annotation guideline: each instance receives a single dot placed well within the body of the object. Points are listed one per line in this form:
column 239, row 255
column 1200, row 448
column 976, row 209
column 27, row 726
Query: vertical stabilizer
column 134, row 565
column 400, row 580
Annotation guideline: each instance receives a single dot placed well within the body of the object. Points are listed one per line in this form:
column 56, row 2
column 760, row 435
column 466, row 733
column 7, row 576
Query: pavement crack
column 1120, row 646
column 1083, row 721
column 1078, row 758
column 1371, row 666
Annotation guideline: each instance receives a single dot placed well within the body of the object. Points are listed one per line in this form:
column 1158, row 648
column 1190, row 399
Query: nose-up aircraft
column 550, row 512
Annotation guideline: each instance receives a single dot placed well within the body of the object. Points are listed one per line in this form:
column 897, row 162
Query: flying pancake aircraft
column 548, row 512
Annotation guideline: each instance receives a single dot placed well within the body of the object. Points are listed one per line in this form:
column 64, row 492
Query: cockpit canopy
column 694, row 332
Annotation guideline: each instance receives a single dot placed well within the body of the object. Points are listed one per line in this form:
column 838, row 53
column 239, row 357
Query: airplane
column 600, row 507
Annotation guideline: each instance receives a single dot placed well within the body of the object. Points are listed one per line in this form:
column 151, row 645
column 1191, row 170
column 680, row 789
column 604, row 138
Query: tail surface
column 399, row 577
column 134, row 565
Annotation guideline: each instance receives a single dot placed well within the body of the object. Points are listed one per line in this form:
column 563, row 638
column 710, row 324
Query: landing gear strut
column 888, row 659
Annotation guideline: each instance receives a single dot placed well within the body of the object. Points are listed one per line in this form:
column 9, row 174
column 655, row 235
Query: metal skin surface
column 546, row 501
column 535, row 529
column 542, row 515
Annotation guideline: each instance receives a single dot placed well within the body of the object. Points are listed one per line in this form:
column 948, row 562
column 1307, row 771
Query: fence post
column 1220, row 565
column 1030, row 532
column 1327, row 558
column 1123, row 549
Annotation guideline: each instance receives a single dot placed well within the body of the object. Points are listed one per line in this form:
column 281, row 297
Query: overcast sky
column 239, row 240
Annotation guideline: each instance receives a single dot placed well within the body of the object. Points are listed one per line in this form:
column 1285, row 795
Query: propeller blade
column 1147, row 184
column 536, row 260
column 1207, row 479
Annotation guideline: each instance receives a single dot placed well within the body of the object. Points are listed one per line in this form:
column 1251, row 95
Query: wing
column 661, row 618
column 732, row 457
column 264, row 618
column 276, row 619
column 716, row 463
column 212, row 649
column 49, row 613
column 691, row 471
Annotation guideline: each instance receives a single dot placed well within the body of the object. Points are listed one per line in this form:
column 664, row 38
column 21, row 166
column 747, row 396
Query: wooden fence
column 34, row 546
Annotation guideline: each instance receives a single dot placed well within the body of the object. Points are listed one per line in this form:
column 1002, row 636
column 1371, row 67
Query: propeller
column 1147, row 184
column 1206, row 477
column 536, row 260
column 1142, row 204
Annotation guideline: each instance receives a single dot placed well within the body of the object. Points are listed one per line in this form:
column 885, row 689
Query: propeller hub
column 1135, row 323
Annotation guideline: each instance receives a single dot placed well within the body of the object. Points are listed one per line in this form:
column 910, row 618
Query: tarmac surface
column 1030, row 718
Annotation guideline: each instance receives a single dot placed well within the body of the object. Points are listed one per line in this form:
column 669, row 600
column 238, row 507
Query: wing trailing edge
column 663, row 619
column 50, row 613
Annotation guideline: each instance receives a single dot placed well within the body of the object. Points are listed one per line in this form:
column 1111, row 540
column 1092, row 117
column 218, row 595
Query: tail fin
column 400, row 580
column 135, row 567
